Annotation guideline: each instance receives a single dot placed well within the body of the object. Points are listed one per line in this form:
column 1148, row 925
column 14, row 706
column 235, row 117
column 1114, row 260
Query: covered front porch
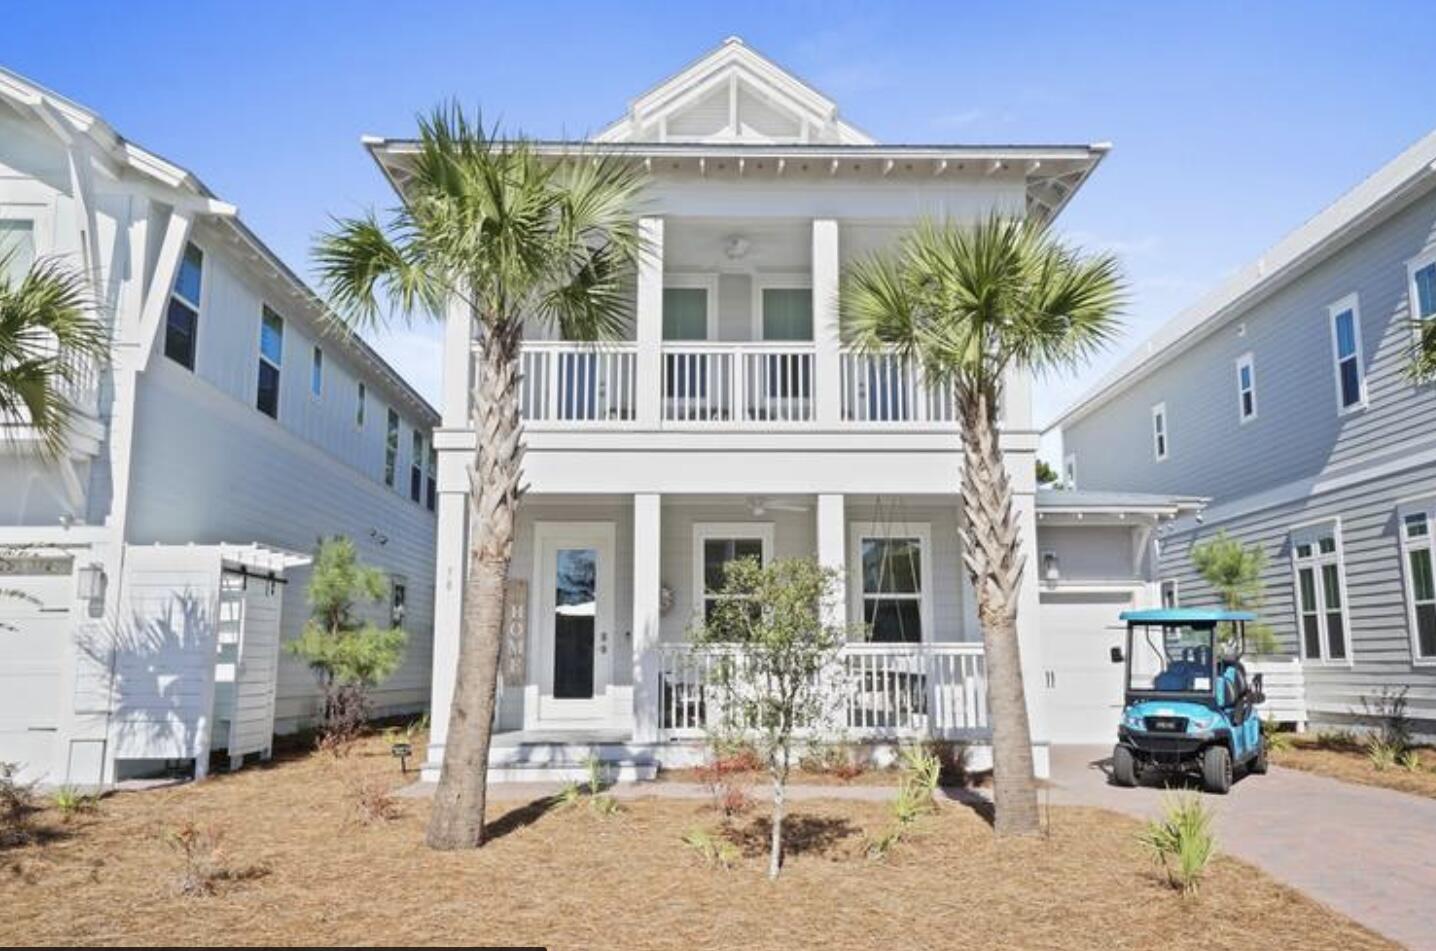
column 606, row 590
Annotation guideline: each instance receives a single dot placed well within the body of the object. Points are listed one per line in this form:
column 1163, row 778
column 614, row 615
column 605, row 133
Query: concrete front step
column 568, row 761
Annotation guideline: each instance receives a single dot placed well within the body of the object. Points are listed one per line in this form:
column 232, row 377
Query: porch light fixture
column 1051, row 567
column 90, row 582
column 736, row 247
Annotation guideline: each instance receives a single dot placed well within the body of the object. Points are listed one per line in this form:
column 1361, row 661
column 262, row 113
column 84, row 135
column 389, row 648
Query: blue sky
column 1231, row 122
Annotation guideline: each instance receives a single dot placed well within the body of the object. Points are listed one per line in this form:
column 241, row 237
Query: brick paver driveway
column 1368, row 853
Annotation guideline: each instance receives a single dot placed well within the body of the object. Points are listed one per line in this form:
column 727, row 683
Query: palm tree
column 967, row 304
column 49, row 336
column 491, row 224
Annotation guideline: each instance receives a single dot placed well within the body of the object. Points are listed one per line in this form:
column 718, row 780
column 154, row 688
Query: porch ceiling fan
column 760, row 505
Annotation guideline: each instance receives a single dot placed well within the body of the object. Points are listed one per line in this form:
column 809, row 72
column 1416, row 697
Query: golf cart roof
column 1185, row 616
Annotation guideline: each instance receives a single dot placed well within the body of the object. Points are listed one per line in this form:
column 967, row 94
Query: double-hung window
column 1246, row 388
column 1320, row 592
column 1159, row 432
column 1418, row 549
column 1422, row 272
column 271, row 358
column 417, row 457
column 431, row 488
column 715, row 545
column 17, row 249
column 391, row 448
column 1346, row 351
column 894, row 581
column 182, row 316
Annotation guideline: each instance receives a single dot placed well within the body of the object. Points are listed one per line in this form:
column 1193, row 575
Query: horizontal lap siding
column 1375, row 588
column 208, row 469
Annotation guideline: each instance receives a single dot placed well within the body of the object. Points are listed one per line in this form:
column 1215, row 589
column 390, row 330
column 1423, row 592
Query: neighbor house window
column 17, row 249
column 1320, row 593
column 398, row 600
column 360, row 398
column 271, row 357
column 1246, row 388
column 431, row 489
column 182, row 317
column 391, row 448
column 1346, row 348
column 316, row 374
column 416, row 467
column 715, row 546
column 1069, row 471
column 1159, row 431
column 893, row 581
column 1418, row 546
column 1423, row 286
column 1170, row 598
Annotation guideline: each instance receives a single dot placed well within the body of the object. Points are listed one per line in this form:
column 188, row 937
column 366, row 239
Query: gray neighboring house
column 1284, row 397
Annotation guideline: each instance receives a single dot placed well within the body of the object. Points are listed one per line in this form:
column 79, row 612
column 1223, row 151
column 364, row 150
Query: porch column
column 646, row 584
column 649, row 320
column 826, row 340
column 833, row 552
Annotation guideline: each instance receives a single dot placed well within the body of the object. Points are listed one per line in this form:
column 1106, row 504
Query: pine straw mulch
column 307, row 872
column 1347, row 761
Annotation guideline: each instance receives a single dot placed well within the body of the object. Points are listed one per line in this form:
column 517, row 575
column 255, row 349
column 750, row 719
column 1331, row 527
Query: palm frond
column 1423, row 351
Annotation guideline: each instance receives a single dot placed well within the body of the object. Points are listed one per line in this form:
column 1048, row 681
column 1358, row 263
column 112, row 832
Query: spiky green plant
column 1181, row 841
column 714, row 850
column 50, row 334
column 503, row 235
column 969, row 305
column 70, row 802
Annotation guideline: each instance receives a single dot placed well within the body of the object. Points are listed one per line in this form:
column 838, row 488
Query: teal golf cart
column 1188, row 703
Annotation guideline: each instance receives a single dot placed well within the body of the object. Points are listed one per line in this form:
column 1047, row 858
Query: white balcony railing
column 583, row 384
column 887, row 389
column 718, row 384
column 879, row 691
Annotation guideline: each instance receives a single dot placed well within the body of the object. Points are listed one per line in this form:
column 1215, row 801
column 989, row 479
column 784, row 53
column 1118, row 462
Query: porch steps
column 567, row 761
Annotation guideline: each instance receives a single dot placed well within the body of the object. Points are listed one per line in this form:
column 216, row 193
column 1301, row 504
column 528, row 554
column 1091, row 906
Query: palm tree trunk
column 457, row 820
column 992, row 553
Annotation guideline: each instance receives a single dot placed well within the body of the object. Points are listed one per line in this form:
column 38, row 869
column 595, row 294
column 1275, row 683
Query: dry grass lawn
column 308, row 872
column 1349, row 762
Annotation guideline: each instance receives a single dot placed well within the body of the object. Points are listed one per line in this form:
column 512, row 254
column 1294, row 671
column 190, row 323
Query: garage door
column 1083, row 687
column 35, row 597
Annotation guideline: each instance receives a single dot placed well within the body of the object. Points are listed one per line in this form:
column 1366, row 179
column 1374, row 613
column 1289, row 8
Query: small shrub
column 1393, row 726
column 1411, row 761
column 70, row 802
column 734, row 801
column 715, row 850
column 1337, row 739
column 1381, row 754
column 841, row 760
column 921, row 770
column 729, row 766
column 372, row 799
column 952, row 759
column 17, row 806
column 204, row 867
column 1277, row 739
column 1181, row 841
column 591, row 789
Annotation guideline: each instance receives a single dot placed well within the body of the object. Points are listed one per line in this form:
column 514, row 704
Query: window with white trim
column 1169, row 594
column 316, row 374
column 894, row 581
column 715, row 545
column 182, row 315
column 1418, row 557
column 391, row 448
column 1346, row 352
column 416, row 467
column 1320, row 593
column 1159, row 431
column 271, row 358
column 17, row 249
column 1069, row 471
column 1246, row 388
column 361, row 398
column 1422, row 272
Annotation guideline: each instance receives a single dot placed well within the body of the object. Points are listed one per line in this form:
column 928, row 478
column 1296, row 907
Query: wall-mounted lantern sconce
column 1051, row 567
column 90, row 582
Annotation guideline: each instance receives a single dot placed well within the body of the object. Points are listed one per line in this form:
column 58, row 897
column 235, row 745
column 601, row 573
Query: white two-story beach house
column 731, row 422
column 150, row 572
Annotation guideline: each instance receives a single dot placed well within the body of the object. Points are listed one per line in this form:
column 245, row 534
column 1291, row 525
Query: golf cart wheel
column 1124, row 767
column 1217, row 769
column 1259, row 762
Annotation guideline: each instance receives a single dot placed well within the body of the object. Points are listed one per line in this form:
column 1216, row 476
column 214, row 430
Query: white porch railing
column 718, row 384
column 887, row 389
column 574, row 383
column 882, row 691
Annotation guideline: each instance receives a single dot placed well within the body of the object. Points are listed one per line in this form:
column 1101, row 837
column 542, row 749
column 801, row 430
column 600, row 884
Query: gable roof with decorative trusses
column 734, row 94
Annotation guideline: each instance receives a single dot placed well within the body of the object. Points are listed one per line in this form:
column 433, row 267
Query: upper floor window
column 398, row 600
column 1159, row 431
column 1418, row 546
column 784, row 312
column 1423, row 286
column 1170, row 594
column 316, row 374
column 1346, row 348
column 1246, row 388
column 182, row 317
column 1320, row 594
column 271, row 358
column 17, row 249
column 391, row 448
column 1069, row 471
column 360, row 399
column 416, row 467
column 715, row 545
column 686, row 311
column 431, row 493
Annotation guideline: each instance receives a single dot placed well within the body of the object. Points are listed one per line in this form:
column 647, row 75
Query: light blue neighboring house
column 1284, row 397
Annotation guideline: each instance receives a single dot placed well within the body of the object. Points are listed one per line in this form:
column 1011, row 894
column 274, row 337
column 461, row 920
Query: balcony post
column 827, row 342
column 649, row 319
column 646, row 584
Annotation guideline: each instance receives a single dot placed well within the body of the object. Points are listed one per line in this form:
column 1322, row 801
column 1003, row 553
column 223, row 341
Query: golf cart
column 1188, row 705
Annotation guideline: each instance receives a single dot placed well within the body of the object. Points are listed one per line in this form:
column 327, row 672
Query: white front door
column 575, row 626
